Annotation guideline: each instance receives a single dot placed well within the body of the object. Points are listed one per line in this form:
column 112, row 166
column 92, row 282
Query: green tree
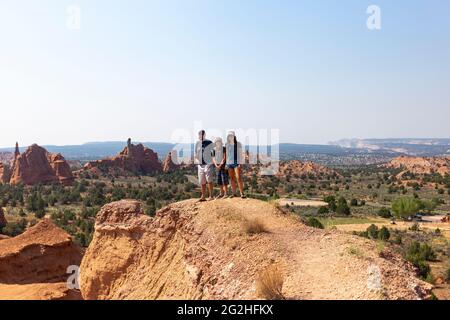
column 405, row 207
column 342, row 207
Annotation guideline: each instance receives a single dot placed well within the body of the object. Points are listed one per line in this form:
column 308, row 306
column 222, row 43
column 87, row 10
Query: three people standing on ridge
column 226, row 159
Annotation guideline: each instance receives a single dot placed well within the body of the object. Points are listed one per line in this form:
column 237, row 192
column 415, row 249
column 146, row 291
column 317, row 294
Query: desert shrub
column 253, row 226
column 384, row 213
column 342, row 207
column 398, row 239
column 384, row 234
column 415, row 227
column 323, row 210
column 447, row 275
column 372, row 231
column 13, row 229
column 354, row 202
column 418, row 254
column 315, row 223
column 269, row 284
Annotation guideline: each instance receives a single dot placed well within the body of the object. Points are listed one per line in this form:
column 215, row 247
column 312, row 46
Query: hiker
column 233, row 163
column 219, row 159
column 206, row 172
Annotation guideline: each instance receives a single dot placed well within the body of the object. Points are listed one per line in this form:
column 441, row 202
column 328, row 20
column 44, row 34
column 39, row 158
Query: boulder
column 39, row 255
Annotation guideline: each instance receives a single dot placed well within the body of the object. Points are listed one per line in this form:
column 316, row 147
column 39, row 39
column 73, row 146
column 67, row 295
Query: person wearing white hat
column 233, row 163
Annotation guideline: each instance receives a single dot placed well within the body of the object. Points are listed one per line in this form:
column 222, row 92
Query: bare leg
column 239, row 180
column 202, row 198
column 211, row 191
column 225, row 190
column 232, row 181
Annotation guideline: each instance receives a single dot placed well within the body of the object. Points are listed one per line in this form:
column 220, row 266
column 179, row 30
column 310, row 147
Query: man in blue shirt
column 206, row 171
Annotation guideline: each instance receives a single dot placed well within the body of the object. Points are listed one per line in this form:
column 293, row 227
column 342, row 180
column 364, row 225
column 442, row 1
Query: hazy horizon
column 142, row 69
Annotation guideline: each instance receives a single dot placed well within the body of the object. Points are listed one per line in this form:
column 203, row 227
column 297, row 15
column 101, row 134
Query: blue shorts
column 232, row 166
column 222, row 177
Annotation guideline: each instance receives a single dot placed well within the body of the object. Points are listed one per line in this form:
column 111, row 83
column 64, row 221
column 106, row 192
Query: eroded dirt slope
column 196, row 250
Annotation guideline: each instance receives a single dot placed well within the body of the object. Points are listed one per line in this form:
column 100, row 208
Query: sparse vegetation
column 269, row 284
column 254, row 226
column 315, row 223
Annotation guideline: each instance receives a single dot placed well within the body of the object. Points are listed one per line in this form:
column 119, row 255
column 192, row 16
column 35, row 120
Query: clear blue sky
column 144, row 68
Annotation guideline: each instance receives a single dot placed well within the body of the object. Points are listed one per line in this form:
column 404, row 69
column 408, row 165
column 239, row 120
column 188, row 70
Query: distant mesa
column 36, row 166
column 420, row 165
column 133, row 160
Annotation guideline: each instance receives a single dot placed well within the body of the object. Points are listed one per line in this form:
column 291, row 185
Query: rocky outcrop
column 37, row 166
column 170, row 163
column 134, row 160
column 421, row 165
column 192, row 250
column 299, row 168
column 40, row 255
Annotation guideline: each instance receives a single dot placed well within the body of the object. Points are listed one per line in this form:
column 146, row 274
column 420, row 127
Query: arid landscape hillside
column 421, row 165
column 223, row 249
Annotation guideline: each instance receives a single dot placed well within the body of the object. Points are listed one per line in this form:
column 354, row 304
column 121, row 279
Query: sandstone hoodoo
column 34, row 264
column 169, row 163
column 37, row 166
column 134, row 159
column 212, row 250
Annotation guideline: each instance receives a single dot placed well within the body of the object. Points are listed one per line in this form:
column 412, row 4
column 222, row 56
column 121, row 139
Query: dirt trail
column 197, row 250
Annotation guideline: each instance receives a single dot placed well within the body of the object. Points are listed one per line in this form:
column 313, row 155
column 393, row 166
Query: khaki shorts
column 206, row 174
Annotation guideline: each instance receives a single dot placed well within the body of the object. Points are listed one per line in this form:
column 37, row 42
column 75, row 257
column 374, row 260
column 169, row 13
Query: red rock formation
column 39, row 255
column 134, row 159
column 36, row 165
column 169, row 163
